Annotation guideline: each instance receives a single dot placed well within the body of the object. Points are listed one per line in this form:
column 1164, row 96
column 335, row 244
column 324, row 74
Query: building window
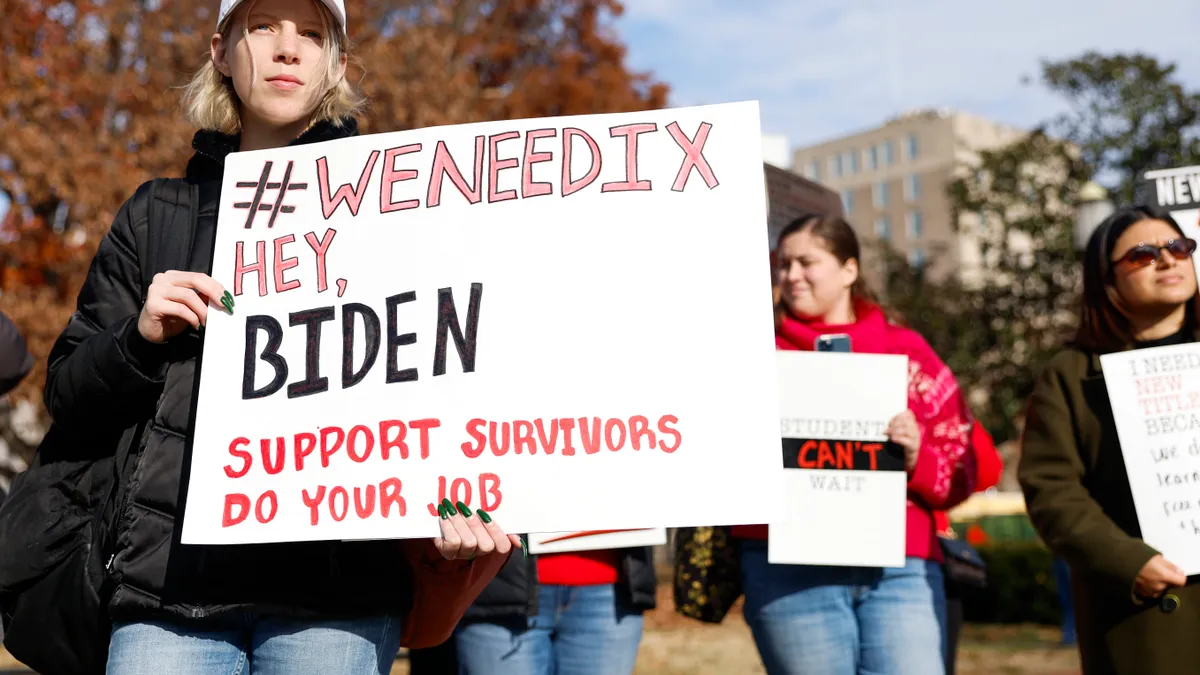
column 835, row 166
column 889, row 157
column 813, row 172
column 883, row 227
column 848, row 200
column 913, row 224
column 881, row 196
column 850, row 162
column 916, row 257
column 910, row 147
column 871, row 158
column 912, row 187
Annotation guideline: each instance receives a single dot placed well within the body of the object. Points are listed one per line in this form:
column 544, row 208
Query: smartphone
column 836, row 342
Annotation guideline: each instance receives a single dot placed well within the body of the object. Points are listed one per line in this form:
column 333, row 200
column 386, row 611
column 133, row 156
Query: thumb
column 1176, row 576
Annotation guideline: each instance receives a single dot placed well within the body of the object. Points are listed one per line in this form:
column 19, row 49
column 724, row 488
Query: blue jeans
column 813, row 620
column 578, row 630
column 256, row 646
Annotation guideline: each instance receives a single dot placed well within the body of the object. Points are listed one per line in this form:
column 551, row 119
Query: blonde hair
column 210, row 101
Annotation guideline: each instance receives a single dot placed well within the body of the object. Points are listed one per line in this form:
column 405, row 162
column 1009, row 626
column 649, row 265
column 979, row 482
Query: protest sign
column 1155, row 397
column 845, row 485
column 563, row 321
column 563, row 542
column 1177, row 191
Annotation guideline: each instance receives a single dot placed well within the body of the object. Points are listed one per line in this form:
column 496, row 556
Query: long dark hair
column 1103, row 327
column 840, row 240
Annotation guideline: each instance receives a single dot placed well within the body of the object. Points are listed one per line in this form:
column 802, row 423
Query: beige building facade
column 892, row 181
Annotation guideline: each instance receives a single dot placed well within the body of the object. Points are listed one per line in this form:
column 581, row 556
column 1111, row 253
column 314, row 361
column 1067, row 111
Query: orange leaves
column 89, row 101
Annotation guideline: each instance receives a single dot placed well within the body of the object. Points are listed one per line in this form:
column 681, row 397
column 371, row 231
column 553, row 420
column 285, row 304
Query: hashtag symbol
column 262, row 185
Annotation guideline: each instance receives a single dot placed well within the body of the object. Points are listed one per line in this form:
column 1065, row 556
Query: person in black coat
column 276, row 77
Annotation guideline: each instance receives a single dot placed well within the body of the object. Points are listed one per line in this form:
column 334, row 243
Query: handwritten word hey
column 280, row 263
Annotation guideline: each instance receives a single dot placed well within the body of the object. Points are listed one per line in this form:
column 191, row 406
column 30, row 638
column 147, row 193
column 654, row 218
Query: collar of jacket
column 1094, row 370
column 212, row 147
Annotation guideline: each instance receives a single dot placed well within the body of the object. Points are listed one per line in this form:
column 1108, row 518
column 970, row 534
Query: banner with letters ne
column 1155, row 396
column 563, row 321
column 846, row 487
column 1177, row 191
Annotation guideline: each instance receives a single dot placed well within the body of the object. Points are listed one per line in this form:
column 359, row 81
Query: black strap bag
column 57, row 523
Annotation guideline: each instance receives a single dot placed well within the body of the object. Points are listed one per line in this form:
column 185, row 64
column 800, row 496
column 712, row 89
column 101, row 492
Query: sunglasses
column 1144, row 255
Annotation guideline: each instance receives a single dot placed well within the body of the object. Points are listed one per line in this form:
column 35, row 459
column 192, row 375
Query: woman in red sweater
column 827, row 619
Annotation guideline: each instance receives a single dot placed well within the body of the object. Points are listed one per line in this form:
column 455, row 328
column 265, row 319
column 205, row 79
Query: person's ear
column 220, row 55
column 850, row 272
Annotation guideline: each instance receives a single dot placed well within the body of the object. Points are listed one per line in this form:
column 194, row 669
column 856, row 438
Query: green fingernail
column 483, row 515
column 227, row 304
column 442, row 512
column 462, row 508
column 229, row 297
column 449, row 507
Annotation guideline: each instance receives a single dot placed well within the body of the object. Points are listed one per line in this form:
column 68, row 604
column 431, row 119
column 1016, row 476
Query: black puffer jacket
column 514, row 591
column 103, row 374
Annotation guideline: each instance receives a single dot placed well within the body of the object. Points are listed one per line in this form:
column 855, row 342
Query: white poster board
column 846, row 488
column 564, row 542
column 1177, row 191
column 1155, row 396
column 523, row 315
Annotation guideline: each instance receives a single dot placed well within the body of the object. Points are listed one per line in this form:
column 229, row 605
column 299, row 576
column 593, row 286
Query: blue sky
column 826, row 68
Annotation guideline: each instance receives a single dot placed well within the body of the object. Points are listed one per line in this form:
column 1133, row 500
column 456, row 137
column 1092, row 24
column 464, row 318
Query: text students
column 276, row 77
column 1139, row 290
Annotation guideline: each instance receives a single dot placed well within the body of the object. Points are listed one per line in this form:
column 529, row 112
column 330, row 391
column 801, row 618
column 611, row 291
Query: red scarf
column 931, row 384
column 868, row 334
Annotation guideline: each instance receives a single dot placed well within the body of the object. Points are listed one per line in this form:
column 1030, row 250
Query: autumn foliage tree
column 89, row 94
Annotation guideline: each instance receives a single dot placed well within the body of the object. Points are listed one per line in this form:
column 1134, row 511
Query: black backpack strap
column 169, row 210
column 170, row 227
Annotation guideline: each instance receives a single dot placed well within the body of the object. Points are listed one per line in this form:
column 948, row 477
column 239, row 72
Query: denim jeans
column 256, row 646
column 814, row 620
column 579, row 630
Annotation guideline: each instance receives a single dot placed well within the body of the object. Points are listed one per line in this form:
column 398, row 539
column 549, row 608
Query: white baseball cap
column 336, row 7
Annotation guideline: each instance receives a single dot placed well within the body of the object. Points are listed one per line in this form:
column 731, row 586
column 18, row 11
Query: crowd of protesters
column 277, row 77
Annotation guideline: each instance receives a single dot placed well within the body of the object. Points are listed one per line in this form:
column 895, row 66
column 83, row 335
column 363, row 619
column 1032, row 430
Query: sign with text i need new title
column 1155, row 397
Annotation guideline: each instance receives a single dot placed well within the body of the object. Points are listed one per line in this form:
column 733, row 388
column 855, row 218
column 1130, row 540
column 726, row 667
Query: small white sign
column 595, row 540
column 1177, row 190
column 1155, row 396
column 846, row 488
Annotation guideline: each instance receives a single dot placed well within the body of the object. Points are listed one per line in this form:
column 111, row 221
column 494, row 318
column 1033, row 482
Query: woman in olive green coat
column 1135, row 613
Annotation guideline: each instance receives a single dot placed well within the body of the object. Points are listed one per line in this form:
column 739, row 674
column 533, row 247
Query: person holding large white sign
column 1109, row 462
column 421, row 335
column 128, row 359
column 875, row 604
